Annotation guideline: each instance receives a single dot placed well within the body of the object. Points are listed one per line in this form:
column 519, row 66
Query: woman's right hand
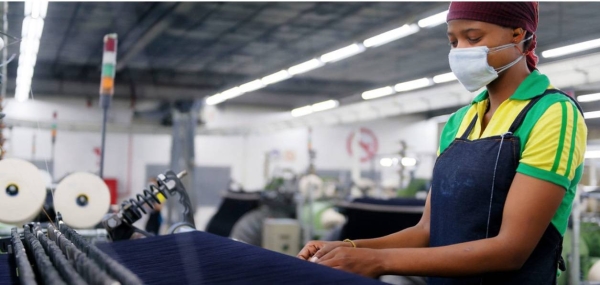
column 315, row 249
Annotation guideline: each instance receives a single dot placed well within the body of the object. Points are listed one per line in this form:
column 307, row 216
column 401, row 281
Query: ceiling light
column 27, row 60
column 343, row 53
column 24, row 81
column 232, row 93
column 32, row 28
column 24, row 71
column 446, row 77
column 326, row 105
column 386, row 162
column 36, row 8
column 592, row 154
column 379, row 92
column 409, row 161
column 215, row 99
column 571, row 48
column 43, row 8
column 302, row 111
column 223, row 96
column 390, row 36
column 305, row 66
column 21, row 93
column 275, row 77
column 411, row 85
column 589, row 97
column 31, row 32
column 30, row 46
column 591, row 115
column 251, row 86
column 434, row 20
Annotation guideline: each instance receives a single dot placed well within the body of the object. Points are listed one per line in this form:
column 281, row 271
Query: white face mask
column 471, row 67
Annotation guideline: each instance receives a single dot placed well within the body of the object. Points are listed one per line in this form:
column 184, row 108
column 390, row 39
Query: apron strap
column 467, row 132
column 521, row 117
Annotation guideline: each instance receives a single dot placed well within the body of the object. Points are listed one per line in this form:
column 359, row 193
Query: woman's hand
column 313, row 250
column 362, row 261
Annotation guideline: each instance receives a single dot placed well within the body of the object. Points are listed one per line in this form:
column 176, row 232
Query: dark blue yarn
column 203, row 258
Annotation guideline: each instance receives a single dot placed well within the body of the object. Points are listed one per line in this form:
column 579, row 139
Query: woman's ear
column 518, row 35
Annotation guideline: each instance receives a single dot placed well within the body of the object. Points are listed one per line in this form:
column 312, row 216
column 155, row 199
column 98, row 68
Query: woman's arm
column 529, row 208
column 416, row 236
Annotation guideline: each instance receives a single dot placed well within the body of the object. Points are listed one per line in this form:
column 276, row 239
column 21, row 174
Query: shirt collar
column 533, row 85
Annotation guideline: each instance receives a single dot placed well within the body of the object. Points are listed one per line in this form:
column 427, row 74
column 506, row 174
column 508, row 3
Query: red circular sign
column 368, row 144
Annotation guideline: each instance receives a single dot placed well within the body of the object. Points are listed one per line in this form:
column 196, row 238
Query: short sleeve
column 451, row 128
column 556, row 145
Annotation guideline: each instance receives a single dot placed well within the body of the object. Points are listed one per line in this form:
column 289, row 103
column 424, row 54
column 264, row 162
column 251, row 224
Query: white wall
column 128, row 154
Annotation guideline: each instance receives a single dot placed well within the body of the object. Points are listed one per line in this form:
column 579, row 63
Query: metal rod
column 4, row 69
column 4, row 50
column 104, row 118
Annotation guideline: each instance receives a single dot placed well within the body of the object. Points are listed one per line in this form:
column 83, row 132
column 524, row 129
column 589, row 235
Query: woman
column 506, row 173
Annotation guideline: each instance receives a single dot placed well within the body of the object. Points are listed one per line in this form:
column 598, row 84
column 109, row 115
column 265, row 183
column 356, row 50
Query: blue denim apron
column 471, row 180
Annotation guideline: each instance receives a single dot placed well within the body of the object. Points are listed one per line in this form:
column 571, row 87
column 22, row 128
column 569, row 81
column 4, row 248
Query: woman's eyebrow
column 465, row 31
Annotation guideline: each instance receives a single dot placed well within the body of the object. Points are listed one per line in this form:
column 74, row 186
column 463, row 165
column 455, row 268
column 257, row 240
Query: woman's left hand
column 362, row 261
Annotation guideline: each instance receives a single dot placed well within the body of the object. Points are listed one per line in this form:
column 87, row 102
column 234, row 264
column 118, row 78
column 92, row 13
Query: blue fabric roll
column 7, row 275
column 203, row 258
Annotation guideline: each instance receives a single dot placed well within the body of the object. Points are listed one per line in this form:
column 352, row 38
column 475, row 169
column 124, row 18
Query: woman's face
column 468, row 33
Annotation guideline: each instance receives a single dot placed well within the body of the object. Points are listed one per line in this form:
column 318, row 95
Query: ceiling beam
column 302, row 37
column 231, row 30
column 152, row 33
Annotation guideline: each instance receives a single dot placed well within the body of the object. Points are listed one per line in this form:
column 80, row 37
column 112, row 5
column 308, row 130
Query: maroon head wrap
column 507, row 14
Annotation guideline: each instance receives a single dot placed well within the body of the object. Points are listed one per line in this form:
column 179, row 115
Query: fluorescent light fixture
column 36, row 8
column 379, row 92
column 30, row 46
column 317, row 107
column 591, row 115
column 408, row 161
column 215, row 99
column 22, row 94
column 28, row 8
column 275, row 77
column 411, row 85
column 592, row 154
column 390, row 36
column 27, row 60
column 326, row 105
column 232, row 93
column 343, row 53
column 32, row 28
column 386, row 162
column 446, row 77
column 434, row 20
column 24, row 81
column 571, row 48
column 24, row 71
column 589, row 97
column 31, row 32
column 223, row 96
column 251, row 86
column 305, row 66
column 302, row 111
column 43, row 8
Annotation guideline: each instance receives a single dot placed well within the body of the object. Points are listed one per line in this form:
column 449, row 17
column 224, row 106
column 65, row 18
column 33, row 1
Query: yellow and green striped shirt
column 553, row 136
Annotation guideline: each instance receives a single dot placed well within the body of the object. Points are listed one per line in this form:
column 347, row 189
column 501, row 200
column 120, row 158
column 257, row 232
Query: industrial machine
column 119, row 226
